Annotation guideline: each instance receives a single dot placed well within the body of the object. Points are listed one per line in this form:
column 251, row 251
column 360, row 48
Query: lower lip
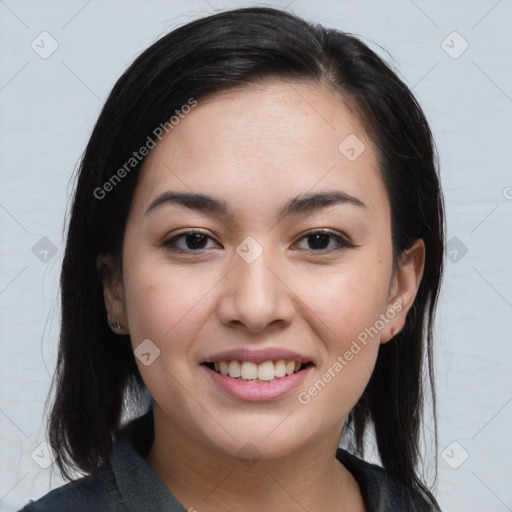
column 258, row 391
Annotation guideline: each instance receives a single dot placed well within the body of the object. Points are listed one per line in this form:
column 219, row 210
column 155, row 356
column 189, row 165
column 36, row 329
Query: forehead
column 264, row 142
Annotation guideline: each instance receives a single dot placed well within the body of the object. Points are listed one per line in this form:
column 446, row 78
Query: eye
column 188, row 242
column 320, row 239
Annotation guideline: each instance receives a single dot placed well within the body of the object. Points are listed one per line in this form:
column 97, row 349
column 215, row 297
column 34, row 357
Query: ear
column 404, row 287
column 113, row 293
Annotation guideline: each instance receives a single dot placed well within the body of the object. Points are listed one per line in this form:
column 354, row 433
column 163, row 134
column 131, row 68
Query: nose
column 256, row 295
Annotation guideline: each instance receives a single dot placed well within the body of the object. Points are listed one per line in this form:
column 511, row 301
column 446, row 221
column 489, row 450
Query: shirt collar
column 139, row 486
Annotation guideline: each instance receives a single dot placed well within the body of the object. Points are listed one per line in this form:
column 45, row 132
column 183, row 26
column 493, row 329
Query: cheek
column 348, row 356
column 344, row 302
column 344, row 308
column 166, row 305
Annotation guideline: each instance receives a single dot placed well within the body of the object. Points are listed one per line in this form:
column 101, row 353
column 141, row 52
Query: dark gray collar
column 140, row 487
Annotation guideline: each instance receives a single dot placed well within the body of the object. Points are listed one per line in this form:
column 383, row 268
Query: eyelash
column 342, row 242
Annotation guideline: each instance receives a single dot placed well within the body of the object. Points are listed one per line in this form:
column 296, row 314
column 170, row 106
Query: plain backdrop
column 59, row 61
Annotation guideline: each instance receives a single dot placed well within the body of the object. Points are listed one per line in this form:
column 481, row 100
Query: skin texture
column 257, row 147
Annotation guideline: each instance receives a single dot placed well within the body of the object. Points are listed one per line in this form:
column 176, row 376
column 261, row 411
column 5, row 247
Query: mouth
column 265, row 372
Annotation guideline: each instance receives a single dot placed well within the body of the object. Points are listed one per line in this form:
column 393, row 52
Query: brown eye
column 189, row 241
column 325, row 241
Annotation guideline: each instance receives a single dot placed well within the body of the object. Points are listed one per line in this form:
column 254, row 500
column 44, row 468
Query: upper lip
column 257, row 356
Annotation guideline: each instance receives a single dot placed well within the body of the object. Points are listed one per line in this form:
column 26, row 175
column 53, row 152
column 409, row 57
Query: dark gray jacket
column 128, row 484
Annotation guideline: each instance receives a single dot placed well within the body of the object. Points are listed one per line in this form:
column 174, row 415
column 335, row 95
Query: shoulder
column 381, row 491
column 100, row 491
column 124, row 483
column 87, row 494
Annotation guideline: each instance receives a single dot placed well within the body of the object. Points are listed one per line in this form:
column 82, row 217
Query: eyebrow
column 296, row 206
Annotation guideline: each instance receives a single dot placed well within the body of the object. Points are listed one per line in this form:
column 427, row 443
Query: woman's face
column 257, row 287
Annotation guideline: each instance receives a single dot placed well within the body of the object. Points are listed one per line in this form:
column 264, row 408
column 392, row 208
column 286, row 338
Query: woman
column 257, row 241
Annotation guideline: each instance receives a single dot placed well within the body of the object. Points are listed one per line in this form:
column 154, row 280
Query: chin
column 257, row 437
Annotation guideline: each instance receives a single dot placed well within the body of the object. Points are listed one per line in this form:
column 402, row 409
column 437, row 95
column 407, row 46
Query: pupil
column 316, row 238
column 195, row 240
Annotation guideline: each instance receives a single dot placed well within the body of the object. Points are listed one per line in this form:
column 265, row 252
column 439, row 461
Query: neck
column 204, row 479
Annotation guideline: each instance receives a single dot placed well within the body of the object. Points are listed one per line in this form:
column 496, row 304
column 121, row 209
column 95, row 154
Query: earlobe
column 404, row 289
column 113, row 293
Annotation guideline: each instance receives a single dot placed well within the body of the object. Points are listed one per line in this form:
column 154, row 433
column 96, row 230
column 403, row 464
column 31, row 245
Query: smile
column 257, row 382
column 248, row 371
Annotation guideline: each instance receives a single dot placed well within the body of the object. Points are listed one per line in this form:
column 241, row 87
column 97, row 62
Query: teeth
column 279, row 368
column 234, row 369
column 249, row 370
column 224, row 368
column 266, row 371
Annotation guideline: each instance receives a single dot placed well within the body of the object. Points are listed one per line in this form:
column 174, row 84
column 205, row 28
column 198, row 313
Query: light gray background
column 48, row 107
